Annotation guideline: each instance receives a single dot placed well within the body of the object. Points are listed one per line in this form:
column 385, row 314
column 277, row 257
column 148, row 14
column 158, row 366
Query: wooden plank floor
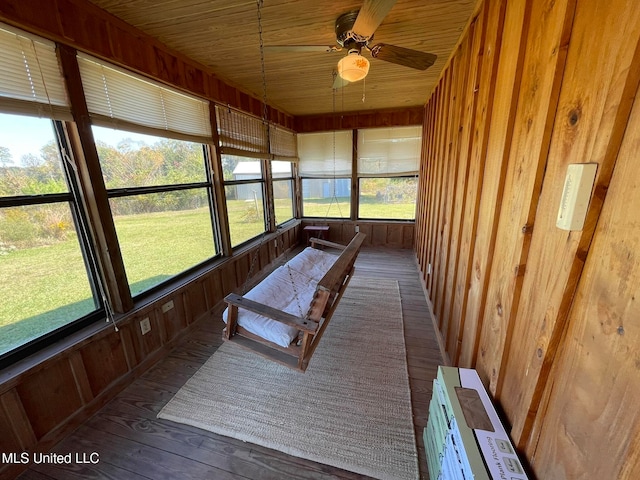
column 133, row 444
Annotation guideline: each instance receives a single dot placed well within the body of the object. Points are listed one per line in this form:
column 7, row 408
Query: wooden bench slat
column 339, row 269
column 319, row 241
column 270, row 312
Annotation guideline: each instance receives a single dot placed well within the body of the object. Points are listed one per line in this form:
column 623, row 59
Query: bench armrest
column 313, row 241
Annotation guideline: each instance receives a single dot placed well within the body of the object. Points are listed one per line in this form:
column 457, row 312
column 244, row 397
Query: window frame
column 207, row 185
column 73, row 198
column 261, row 180
column 389, row 219
column 292, row 186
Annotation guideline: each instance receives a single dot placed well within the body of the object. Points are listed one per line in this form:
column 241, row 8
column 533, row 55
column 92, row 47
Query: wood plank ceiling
column 223, row 36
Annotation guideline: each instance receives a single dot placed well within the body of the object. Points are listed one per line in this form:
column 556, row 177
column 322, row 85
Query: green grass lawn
column 45, row 287
column 370, row 208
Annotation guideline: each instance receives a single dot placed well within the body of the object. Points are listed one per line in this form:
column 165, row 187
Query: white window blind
column 31, row 82
column 325, row 154
column 241, row 134
column 389, row 152
column 122, row 100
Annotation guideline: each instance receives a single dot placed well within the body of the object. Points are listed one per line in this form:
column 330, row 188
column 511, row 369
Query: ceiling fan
column 354, row 32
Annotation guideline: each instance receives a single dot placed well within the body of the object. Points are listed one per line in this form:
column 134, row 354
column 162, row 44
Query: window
column 325, row 169
column 150, row 141
column 46, row 269
column 160, row 201
column 244, row 150
column 245, row 197
column 47, row 280
column 388, row 162
column 282, row 173
column 388, row 198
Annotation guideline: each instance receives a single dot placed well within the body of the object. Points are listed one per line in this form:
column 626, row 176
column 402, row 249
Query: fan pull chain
column 364, row 84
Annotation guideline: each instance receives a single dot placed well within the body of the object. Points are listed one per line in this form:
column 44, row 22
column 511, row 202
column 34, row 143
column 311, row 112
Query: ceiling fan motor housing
column 345, row 36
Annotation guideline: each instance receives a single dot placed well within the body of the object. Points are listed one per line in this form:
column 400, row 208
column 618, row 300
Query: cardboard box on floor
column 464, row 437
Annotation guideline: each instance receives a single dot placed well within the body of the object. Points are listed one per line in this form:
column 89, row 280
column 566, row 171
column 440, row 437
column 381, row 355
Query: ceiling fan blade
column 371, row 16
column 403, row 56
column 339, row 82
column 302, row 48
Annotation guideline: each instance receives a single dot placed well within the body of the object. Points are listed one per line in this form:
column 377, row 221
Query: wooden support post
column 94, row 189
column 304, row 348
column 232, row 320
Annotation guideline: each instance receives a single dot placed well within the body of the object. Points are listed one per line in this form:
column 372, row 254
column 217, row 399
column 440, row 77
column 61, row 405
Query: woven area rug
column 351, row 409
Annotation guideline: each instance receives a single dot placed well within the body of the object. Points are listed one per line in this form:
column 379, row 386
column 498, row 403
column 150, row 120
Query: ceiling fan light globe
column 353, row 67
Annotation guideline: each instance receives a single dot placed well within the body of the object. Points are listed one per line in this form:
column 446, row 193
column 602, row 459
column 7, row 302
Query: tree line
column 127, row 165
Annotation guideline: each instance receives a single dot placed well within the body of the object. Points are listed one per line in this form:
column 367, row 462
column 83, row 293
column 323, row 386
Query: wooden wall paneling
column 195, row 300
column 459, row 164
column 104, row 361
column 508, row 79
column 491, row 37
column 348, row 232
column 432, row 160
column 367, row 229
column 441, row 188
column 429, row 160
column 171, row 315
column 408, row 235
column 351, row 120
column 422, row 186
column 263, row 256
column 379, row 235
column 446, row 187
column 449, row 170
column 543, row 67
column 426, row 158
column 17, row 436
column 591, row 425
column 437, row 181
column 337, row 233
column 81, row 378
column 394, row 235
column 151, row 341
column 9, row 441
column 17, row 433
column 49, row 397
column 228, row 276
column 130, row 345
column 129, row 48
column 213, row 288
column 242, row 263
column 593, row 111
column 43, row 16
column 94, row 35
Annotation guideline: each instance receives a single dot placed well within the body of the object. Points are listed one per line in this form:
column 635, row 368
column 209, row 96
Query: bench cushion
column 305, row 270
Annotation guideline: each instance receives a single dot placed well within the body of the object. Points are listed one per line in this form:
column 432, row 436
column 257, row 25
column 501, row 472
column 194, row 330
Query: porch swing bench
column 270, row 320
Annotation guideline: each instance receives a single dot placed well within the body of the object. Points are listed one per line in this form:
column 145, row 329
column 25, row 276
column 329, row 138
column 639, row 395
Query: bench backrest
column 329, row 287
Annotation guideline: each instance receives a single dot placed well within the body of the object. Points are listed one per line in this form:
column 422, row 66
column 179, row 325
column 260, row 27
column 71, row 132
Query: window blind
column 120, row 99
column 241, row 134
column 325, row 154
column 283, row 143
column 31, row 82
column 389, row 152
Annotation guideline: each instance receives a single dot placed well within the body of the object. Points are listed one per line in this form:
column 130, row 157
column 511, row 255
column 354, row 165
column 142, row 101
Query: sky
column 23, row 135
